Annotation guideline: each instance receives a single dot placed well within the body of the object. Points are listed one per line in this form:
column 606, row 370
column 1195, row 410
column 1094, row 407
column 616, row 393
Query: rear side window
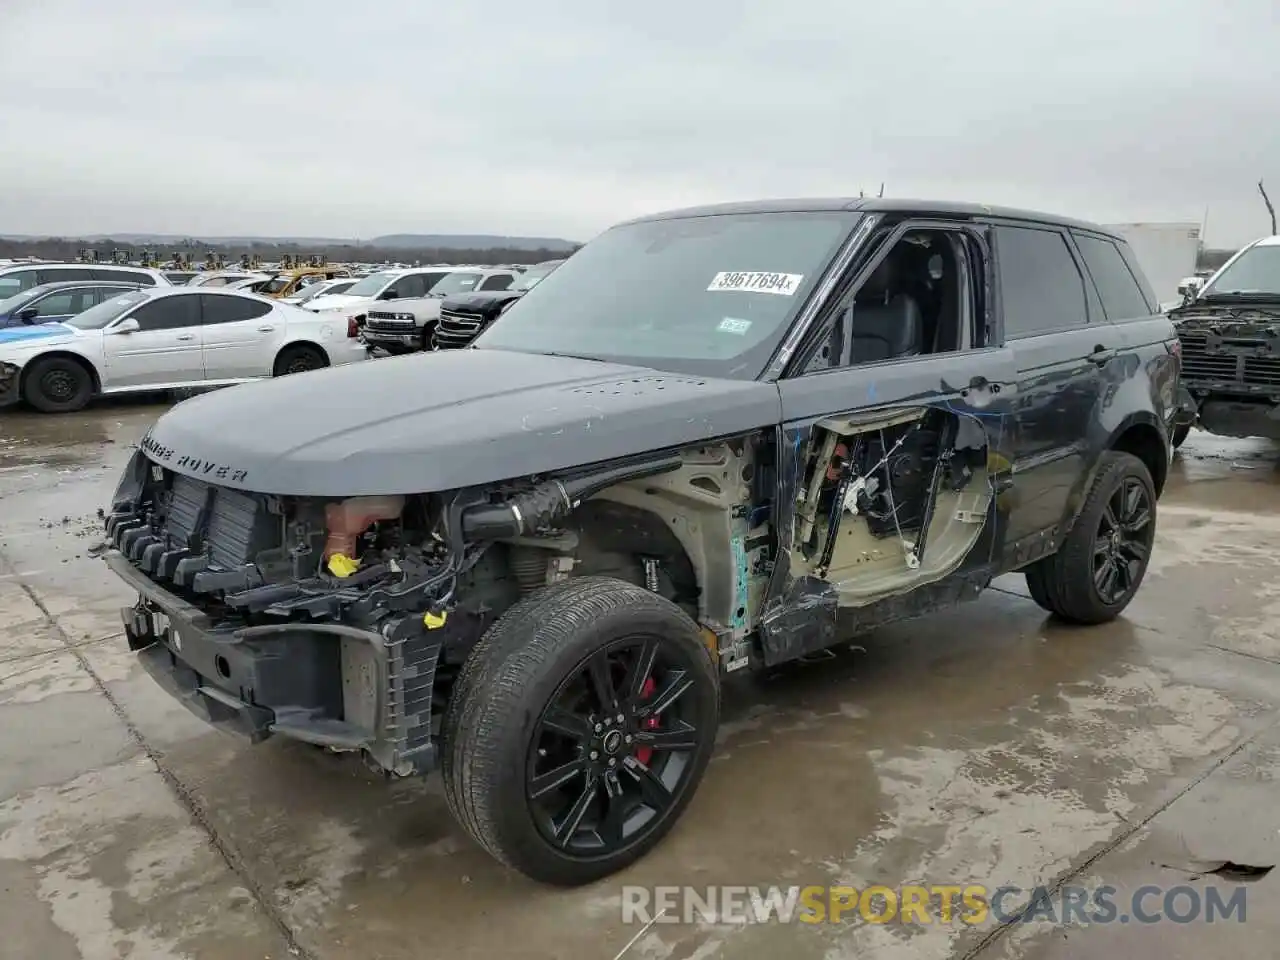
column 127, row 276
column 225, row 308
column 58, row 274
column 1135, row 268
column 102, row 294
column 1122, row 298
column 1041, row 287
column 168, row 313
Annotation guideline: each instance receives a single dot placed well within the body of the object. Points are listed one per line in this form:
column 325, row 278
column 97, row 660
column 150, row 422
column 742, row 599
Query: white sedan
column 165, row 338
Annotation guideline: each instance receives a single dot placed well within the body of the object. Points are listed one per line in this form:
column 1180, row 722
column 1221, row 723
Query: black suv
column 465, row 316
column 714, row 440
column 1230, row 335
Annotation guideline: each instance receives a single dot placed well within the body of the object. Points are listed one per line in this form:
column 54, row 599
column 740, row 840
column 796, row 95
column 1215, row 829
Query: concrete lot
column 989, row 745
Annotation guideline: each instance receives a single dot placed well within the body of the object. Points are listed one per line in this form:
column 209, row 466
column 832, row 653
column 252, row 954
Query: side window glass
column 500, row 281
column 59, row 274
column 225, row 308
column 16, row 282
column 1122, row 298
column 168, row 313
column 1148, row 291
column 413, row 285
column 1041, row 287
column 61, row 304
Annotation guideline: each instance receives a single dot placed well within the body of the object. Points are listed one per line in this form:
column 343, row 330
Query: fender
column 1113, row 441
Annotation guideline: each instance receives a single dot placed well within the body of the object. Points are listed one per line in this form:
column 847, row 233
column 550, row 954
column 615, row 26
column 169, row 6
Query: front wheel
column 57, row 385
column 1104, row 558
column 579, row 729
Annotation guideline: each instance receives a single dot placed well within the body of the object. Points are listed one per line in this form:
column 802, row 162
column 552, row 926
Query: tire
column 299, row 358
column 1038, row 588
column 57, row 385
column 497, row 737
column 1180, row 433
column 1074, row 583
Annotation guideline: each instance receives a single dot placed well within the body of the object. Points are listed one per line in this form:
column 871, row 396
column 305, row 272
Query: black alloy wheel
column 1123, row 544
column 612, row 750
column 579, row 728
column 1100, row 565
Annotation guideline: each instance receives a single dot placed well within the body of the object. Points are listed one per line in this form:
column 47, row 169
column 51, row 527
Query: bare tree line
column 58, row 248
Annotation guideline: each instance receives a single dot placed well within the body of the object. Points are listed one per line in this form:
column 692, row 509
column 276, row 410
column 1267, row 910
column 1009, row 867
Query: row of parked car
column 73, row 331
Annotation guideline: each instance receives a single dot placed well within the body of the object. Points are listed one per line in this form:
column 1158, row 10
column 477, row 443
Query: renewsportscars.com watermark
column 935, row 904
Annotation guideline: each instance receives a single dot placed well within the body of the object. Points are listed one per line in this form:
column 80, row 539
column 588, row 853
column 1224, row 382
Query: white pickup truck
column 405, row 325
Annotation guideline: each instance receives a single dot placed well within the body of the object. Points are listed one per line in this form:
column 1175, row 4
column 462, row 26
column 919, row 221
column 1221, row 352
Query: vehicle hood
column 481, row 302
column 335, row 301
column 437, row 421
column 42, row 334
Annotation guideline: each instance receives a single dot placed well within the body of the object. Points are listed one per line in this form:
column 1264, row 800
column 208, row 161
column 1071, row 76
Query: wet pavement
column 988, row 745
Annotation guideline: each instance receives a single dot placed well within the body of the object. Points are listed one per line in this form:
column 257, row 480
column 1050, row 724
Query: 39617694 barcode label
column 751, row 281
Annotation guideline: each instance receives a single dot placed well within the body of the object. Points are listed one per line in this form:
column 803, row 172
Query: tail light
column 353, row 327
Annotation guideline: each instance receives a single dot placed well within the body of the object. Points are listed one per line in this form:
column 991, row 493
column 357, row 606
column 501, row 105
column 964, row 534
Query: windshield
column 372, row 285
column 95, row 318
column 1256, row 272
column 461, row 282
column 704, row 295
column 532, row 277
column 11, row 304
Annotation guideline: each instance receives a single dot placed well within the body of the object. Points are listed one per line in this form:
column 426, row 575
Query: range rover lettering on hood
column 159, row 453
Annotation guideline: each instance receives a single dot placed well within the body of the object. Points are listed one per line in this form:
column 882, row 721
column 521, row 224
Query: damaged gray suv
column 714, row 440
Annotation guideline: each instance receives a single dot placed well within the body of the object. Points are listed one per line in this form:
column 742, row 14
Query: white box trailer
column 1167, row 253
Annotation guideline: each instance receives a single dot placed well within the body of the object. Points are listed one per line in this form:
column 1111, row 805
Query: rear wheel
column 299, row 359
column 1103, row 560
column 57, row 385
column 579, row 729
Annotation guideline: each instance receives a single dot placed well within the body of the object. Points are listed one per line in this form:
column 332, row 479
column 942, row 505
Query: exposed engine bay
column 347, row 620
column 890, row 501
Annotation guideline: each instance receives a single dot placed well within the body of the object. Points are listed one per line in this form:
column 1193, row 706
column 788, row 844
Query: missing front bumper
column 326, row 684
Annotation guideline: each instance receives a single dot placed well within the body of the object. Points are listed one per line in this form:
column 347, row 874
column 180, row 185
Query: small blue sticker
column 734, row 325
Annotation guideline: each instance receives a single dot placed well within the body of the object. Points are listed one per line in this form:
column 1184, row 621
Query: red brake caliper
column 645, row 754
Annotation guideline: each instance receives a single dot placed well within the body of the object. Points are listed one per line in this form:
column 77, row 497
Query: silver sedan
column 166, row 338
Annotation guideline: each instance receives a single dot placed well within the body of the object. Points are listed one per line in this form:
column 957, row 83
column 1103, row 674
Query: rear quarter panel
column 328, row 331
column 1139, row 388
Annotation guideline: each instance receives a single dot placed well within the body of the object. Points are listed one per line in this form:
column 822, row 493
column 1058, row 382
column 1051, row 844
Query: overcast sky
column 556, row 118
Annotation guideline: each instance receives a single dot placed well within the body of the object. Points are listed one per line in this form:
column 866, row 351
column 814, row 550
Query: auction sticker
column 784, row 284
